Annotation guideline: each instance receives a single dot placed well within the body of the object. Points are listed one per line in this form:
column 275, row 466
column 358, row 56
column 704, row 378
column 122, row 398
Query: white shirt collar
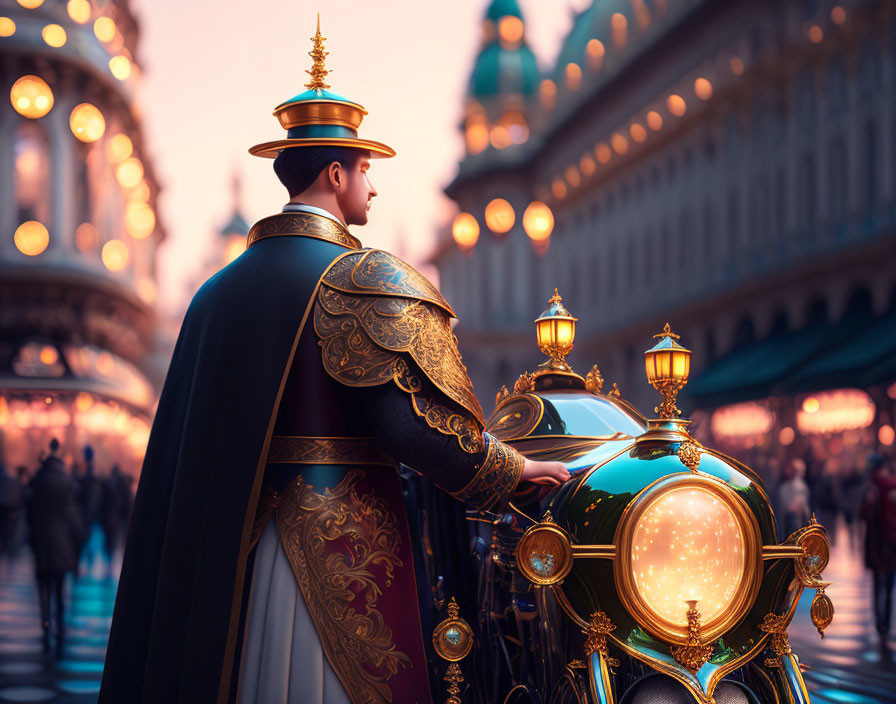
column 302, row 208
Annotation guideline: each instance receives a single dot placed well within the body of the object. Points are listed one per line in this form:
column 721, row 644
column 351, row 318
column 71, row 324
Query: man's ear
column 336, row 175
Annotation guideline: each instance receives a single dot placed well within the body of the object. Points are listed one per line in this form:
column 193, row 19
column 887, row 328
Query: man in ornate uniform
column 269, row 555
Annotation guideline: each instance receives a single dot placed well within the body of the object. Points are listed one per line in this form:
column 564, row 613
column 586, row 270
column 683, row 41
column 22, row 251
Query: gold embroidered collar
column 300, row 224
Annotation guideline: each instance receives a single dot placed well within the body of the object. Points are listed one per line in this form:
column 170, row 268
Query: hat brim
column 270, row 150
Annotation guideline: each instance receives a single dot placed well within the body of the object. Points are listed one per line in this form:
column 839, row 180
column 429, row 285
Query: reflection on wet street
column 27, row 674
column 847, row 666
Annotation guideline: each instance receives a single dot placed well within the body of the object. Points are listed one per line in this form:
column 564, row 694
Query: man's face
column 354, row 191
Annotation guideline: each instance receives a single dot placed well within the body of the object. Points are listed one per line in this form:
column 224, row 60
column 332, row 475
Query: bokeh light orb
column 538, row 221
column 499, row 216
column 79, row 10
column 120, row 66
column 87, row 122
column 30, row 4
column 7, row 27
column 87, row 237
column 54, row 35
column 139, row 220
column 465, row 230
column 104, row 29
column 688, row 544
column 115, row 255
column 119, row 148
column 129, row 172
column 31, row 97
column 676, row 105
column 31, row 238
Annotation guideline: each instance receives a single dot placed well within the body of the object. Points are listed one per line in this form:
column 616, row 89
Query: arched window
column 32, row 158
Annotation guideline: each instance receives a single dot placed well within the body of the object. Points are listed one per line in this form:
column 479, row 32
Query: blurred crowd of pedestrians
column 71, row 518
column 863, row 497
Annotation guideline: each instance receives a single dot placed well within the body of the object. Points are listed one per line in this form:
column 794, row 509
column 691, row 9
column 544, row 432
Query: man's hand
column 547, row 473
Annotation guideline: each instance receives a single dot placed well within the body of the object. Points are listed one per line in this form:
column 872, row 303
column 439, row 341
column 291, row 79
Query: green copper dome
column 504, row 66
column 317, row 95
column 502, row 71
column 502, row 8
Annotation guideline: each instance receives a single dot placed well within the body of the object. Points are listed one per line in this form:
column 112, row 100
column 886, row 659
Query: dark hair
column 297, row 168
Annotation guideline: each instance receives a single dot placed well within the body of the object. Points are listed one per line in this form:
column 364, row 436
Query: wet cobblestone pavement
column 846, row 667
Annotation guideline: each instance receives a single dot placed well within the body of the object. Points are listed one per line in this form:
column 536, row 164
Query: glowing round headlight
column 688, row 538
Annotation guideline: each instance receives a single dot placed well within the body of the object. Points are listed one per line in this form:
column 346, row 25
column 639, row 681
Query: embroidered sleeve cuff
column 496, row 478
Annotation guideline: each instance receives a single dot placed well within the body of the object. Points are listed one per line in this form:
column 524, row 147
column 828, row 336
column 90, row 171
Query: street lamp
column 667, row 364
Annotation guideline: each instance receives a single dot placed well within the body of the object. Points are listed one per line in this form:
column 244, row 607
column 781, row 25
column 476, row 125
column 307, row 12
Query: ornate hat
column 319, row 118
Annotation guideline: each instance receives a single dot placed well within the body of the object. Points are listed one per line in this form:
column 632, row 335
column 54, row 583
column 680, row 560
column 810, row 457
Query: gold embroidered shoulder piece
column 378, row 273
column 369, row 337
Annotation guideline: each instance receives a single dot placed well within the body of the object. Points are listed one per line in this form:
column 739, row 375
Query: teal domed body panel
column 503, row 8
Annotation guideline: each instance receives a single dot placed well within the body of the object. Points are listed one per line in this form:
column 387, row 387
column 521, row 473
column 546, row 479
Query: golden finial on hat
column 318, row 73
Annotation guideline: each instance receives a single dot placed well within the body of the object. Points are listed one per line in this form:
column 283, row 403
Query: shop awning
column 861, row 360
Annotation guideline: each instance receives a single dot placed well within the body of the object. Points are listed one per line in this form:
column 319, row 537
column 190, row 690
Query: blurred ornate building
column 727, row 166
column 78, row 234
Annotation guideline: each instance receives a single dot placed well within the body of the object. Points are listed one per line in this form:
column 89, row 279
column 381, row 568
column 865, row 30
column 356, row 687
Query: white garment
column 282, row 660
column 302, row 208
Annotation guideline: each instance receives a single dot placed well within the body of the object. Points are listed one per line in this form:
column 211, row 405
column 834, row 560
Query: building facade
column 728, row 167
column 79, row 358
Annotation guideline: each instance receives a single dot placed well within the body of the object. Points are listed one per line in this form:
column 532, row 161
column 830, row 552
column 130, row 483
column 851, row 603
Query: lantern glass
column 650, row 366
column 681, row 364
column 564, row 333
column 543, row 332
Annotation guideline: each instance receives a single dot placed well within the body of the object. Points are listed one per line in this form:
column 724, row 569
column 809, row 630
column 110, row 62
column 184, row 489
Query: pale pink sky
column 215, row 70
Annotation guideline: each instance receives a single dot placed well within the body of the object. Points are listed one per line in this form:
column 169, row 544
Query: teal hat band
column 321, row 131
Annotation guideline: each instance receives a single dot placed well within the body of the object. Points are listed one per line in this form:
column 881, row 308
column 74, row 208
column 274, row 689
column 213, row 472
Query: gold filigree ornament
column 334, row 583
column 689, row 454
column 822, row 611
column 318, row 70
column 596, row 632
column 544, row 553
column 453, row 637
column 780, row 643
column 615, row 391
column 454, row 677
column 594, row 382
column 525, row 383
column 694, row 654
column 501, row 395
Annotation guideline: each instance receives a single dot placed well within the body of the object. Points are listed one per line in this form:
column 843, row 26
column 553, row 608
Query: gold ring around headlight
column 544, row 553
column 687, row 537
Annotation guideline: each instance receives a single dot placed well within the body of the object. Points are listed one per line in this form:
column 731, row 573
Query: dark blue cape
column 176, row 621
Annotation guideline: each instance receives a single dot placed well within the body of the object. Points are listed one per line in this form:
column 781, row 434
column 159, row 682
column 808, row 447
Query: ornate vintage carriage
column 654, row 575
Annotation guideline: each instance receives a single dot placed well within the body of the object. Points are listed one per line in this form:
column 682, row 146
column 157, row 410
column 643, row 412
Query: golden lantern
column 54, row 35
column 538, row 221
column 499, row 216
column 31, row 97
column 139, row 219
column 115, row 255
column 31, row 238
column 667, row 364
column 465, row 230
column 87, row 122
column 555, row 330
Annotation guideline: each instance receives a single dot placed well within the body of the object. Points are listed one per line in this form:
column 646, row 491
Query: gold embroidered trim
column 360, row 336
column 358, row 644
column 378, row 273
column 302, row 224
column 448, row 421
column 496, row 479
column 307, row 450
